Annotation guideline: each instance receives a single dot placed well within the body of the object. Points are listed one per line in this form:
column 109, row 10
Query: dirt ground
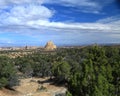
column 29, row 87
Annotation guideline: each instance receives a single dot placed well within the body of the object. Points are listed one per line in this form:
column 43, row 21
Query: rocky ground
column 31, row 87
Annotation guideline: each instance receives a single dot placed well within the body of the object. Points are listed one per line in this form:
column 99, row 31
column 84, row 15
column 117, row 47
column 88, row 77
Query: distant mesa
column 50, row 46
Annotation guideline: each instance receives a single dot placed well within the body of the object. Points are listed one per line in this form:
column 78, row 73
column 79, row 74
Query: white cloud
column 73, row 2
column 4, row 3
column 110, row 19
column 87, row 6
column 113, row 22
column 44, row 25
column 76, row 26
column 23, row 13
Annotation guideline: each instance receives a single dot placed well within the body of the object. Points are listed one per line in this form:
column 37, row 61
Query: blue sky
column 65, row 22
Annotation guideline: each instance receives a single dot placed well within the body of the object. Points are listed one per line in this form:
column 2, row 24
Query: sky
column 65, row 22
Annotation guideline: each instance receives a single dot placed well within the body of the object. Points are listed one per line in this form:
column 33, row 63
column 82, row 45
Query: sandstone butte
column 50, row 46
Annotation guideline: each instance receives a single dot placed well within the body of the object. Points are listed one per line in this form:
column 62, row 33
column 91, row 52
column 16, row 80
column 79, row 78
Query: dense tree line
column 89, row 71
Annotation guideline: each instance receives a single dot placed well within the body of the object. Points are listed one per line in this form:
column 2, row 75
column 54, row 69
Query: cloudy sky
column 65, row 22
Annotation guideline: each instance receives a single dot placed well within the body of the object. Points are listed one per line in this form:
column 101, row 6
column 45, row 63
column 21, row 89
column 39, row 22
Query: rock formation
column 50, row 46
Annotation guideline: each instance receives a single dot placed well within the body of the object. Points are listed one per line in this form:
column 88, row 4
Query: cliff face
column 50, row 46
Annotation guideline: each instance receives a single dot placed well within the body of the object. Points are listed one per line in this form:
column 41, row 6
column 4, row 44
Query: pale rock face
column 50, row 46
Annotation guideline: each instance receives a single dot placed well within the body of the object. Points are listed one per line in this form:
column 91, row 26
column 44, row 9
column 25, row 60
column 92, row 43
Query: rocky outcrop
column 61, row 92
column 50, row 46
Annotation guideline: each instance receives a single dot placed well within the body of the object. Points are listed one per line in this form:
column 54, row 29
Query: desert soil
column 29, row 86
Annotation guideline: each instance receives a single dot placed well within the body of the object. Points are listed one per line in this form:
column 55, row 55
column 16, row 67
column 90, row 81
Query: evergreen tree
column 7, row 72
